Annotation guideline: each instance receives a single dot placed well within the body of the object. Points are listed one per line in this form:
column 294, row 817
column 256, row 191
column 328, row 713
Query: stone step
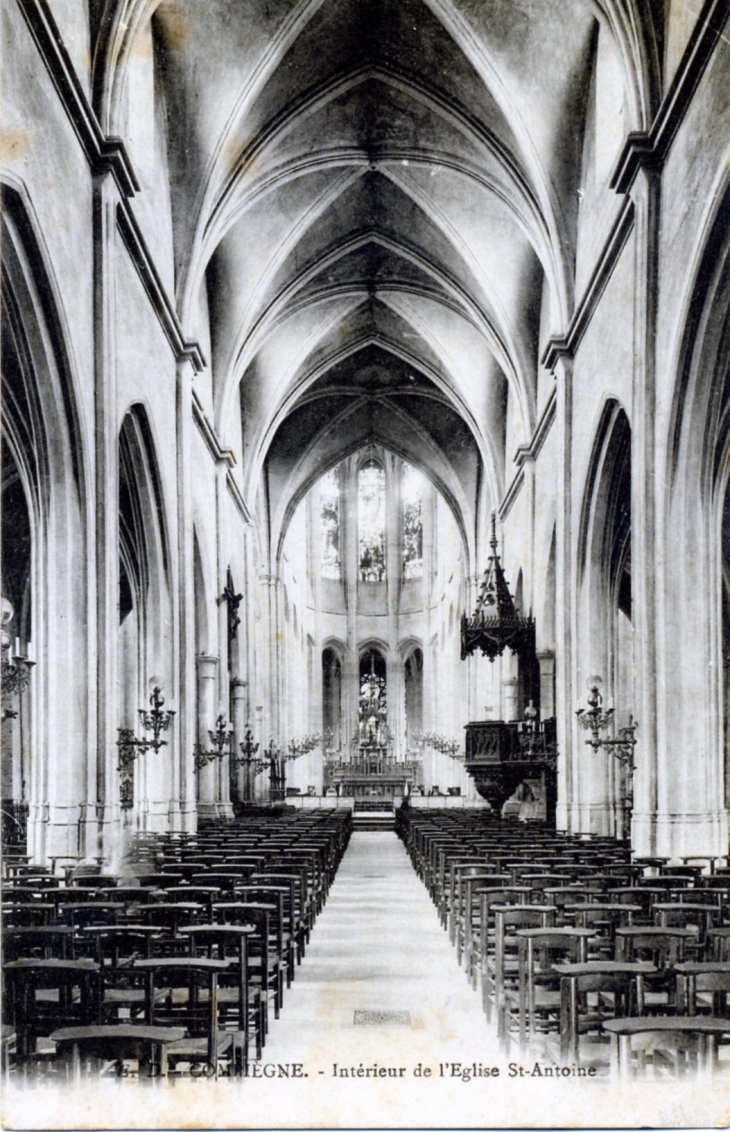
column 372, row 821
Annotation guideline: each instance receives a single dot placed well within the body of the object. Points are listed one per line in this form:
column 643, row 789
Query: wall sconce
column 130, row 747
column 16, row 672
column 220, row 740
column 597, row 720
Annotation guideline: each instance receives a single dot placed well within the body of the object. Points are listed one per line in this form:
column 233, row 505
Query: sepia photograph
column 365, row 387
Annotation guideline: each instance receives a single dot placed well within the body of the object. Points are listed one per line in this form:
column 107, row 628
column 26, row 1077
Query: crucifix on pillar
column 232, row 600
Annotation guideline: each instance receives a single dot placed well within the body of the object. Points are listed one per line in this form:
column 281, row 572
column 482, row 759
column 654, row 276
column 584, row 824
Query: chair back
column 34, row 1012
column 190, row 999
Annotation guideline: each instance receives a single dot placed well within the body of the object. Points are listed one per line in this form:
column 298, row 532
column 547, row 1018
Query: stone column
column 239, row 718
column 559, row 361
column 102, row 817
column 645, row 193
column 350, row 565
column 207, row 698
column 183, row 812
column 546, row 660
column 510, row 690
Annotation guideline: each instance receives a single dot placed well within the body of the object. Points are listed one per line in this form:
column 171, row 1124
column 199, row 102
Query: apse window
column 412, row 523
column 371, row 521
column 329, row 519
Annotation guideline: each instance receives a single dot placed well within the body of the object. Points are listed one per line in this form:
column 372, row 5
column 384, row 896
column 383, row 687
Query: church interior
column 365, row 468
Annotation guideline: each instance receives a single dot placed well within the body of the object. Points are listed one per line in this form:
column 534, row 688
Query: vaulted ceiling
column 375, row 206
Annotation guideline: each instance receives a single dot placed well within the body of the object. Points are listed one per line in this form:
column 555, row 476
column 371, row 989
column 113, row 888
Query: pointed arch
column 46, row 480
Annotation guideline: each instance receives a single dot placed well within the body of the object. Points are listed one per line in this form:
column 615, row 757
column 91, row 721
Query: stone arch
column 601, row 792
column 42, row 445
column 146, row 642
column 691, row 784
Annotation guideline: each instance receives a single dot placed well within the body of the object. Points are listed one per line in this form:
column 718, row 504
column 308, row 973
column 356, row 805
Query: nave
column 290, row 969
column 365, row 447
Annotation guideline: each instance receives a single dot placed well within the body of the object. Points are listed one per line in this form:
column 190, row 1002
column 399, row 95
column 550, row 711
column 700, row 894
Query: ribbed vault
column 375, row 210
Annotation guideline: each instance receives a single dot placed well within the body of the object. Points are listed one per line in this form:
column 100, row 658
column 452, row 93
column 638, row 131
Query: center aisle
column 378, row 946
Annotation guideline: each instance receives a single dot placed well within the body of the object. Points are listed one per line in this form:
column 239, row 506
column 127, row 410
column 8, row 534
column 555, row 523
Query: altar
column 373, row 773
column 371, row 770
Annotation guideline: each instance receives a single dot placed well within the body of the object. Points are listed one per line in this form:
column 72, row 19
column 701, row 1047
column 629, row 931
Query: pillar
column 546, row 660
column 182, row 812
column 207, row 699
column 560, row 362
column 239, row 718
column 350, row 565
column 101, row 814
column 510, row 690
column 645, row 193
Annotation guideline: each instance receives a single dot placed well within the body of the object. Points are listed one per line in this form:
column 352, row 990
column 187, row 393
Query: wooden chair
column 239, row 997
column 27, row 915
column 589, row 994
column 718, row 944
column 21, row 894
column 207, row 895
column 84, row 913
column 678, row 1044
column 535, row 1009
column 266, row 961
column 43, row 992
column 80, row 1048
column 183, row 991
column 665, row 947
column 95, row 881
column 462, row 913
column 500, row 971
column 170, row 917
column 121, row 988
column 699, row 918
column 273, row 898
column 56, row 942
column 159, row 880
column 703, row 988
column 480, row 941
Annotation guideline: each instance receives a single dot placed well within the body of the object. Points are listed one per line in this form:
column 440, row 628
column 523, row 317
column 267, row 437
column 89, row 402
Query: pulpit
column 498, row 758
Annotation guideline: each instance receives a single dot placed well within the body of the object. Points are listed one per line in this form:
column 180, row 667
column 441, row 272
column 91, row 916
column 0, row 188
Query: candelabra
column 248, row 759
column 304, row 745
column 220, row 740
column 441, row 744
column 16, row 672
column 596, row 720
column 130, row 747
column 534, row 739
column 276, row 763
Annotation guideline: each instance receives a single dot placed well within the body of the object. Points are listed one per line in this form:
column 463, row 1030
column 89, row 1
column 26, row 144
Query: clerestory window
column 371, row 521
column 412, row 523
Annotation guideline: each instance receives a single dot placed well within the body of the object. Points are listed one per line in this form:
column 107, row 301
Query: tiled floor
column 377, row 947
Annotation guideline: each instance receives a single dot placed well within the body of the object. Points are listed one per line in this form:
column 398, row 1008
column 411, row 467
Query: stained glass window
column 329, row 520
column 371, row 521
column 412, row 523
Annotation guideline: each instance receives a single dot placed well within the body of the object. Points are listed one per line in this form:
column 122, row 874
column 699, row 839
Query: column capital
column 270, row 579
